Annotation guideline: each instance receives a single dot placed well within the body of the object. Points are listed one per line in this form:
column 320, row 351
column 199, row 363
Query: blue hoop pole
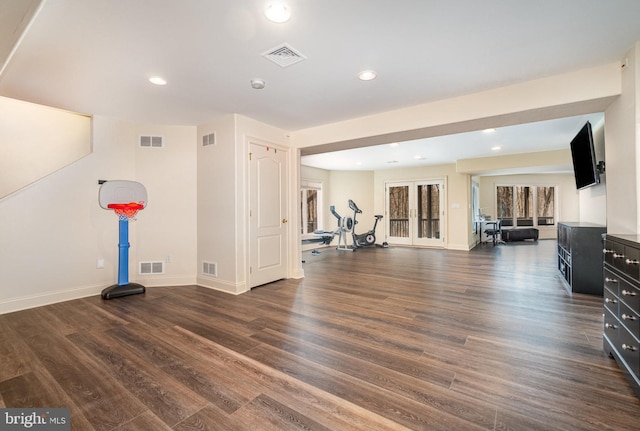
column 123, row 252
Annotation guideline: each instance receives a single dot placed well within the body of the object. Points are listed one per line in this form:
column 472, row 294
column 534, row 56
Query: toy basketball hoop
column 125, row 198
column 126, row 211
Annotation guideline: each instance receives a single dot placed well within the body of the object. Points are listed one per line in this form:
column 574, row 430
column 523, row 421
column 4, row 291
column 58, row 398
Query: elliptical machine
column 364, row 239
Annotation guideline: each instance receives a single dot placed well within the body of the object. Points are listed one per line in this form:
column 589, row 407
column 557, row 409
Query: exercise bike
column 364, row 239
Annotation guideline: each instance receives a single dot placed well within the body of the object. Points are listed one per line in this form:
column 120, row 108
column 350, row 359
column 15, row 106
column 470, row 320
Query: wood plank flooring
column 379, row 339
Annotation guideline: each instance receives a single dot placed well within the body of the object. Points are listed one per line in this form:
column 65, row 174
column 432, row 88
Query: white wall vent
column 210, row 268
column 209, row 139
column 151, row 268
column 151, row 141
column 284, row 55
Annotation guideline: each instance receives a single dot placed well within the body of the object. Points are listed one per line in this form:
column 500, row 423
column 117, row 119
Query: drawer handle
column 628, row 317
column 610, row 301
column 607, row 251
column 628, row 293
column 631, row 261
column 617, row 256
column 610, row 280
column 610, row 326
column 628, row 347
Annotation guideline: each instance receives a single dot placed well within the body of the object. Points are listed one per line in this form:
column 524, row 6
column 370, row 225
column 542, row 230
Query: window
column 310, row 207
column 504, row 195
column 475, row 205
column 546, row 206
column 526, row 205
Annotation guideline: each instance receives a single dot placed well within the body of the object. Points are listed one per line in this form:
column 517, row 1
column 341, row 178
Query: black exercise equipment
column 364, row 239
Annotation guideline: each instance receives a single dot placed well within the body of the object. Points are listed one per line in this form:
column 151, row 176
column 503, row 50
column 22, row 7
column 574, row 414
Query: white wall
column 53, row 232
column 357, row 186
column 166, row 228
column 29, row 153
column 216, row 196
column 622, row 136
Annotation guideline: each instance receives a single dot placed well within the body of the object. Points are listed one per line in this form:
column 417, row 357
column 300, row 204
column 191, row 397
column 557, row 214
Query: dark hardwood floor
column 379, row 339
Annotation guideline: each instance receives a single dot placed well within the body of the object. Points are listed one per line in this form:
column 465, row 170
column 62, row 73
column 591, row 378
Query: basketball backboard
column 122, row 192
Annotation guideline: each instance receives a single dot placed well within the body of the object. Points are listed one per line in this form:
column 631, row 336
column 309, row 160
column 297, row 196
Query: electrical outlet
column 100, row 264
column 168, row 258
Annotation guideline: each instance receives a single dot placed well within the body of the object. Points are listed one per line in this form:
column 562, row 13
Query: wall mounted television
column 585, row 166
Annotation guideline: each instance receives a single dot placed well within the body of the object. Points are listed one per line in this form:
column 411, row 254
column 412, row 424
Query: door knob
column 284, row 220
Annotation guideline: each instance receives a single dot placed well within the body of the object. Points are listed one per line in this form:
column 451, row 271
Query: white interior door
column 268, row 239
column 415, row 213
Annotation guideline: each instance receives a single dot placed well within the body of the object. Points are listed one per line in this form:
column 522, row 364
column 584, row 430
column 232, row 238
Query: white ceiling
column 94, row 56
column 525, row 138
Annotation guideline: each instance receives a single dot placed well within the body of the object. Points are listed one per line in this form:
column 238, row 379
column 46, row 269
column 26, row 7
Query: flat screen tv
column 583, row 154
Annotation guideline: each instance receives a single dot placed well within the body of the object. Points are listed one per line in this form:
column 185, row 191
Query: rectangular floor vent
column 210, row 268
column 209, row 139
column 152, row 267
column 151, row 141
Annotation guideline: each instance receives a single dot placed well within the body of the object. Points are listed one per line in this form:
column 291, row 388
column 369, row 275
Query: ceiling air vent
column 209, row 139
column 283, row 55
column 151, row 141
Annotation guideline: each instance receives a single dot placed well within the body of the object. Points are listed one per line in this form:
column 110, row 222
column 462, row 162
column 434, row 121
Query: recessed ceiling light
column 157, row 80
column 367, row 75
column 419, row 157
column 496, row 148
column 489, row 130
column 393, row 144
column 277, row 11
column 392, row 162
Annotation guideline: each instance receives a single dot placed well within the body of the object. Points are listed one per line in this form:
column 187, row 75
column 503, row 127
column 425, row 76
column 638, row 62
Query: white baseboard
column 297, row 273
column 161, row 281
column 460, row 247
column 32, row 301
column 222, row 285
column 24, row 302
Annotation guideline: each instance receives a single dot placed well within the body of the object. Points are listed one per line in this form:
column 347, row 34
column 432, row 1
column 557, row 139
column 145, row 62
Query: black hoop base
column 118, row 290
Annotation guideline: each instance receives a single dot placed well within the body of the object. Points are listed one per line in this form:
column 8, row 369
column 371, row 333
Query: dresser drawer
column 610, row 248
column 611, row 328
column 630, row 295
column 629, row 319
column 611, row 302
column 614, row 254
column 611, row 281
column 632, row 262
column 629, row 348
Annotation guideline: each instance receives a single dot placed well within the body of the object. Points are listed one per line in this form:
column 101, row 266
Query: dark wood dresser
column 622, row 304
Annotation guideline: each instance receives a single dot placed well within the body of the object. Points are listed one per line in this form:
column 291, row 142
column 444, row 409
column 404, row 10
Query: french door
column 415, row 213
